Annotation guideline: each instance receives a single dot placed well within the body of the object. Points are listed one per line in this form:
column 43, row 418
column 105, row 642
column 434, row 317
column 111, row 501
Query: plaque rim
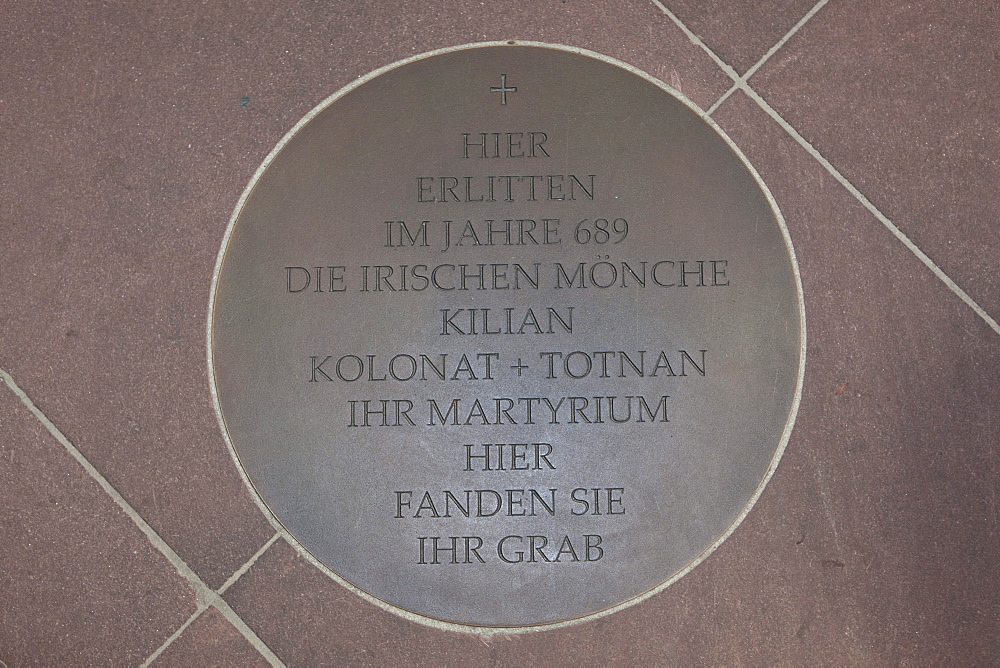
column 487, row 630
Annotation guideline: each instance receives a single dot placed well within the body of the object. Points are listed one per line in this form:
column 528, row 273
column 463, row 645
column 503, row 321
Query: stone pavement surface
column 129, row 133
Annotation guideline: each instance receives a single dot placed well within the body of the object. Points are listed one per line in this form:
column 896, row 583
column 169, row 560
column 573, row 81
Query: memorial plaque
column 507, row 335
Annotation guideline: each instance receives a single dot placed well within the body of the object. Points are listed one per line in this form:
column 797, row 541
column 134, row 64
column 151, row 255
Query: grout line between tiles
column 697, row 41
column 204, row 594
column 202, row 608
column 770, row 52
column 840, row 178
column 898, row 233
column 248, row 565
column 176, row 634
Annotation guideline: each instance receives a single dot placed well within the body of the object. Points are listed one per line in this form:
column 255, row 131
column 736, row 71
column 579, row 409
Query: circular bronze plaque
column 507, row 335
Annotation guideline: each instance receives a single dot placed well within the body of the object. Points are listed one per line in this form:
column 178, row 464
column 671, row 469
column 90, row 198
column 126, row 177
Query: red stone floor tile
column 79, row 582
column 902, row 98
column 896, row 430
column 210, row 640
column 308, row 619
column 740, row 32
column 130, row 134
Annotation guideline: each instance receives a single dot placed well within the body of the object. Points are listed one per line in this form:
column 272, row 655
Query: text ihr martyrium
column 481, row 340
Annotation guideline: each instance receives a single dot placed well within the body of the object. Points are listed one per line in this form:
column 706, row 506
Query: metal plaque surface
column 507, row 335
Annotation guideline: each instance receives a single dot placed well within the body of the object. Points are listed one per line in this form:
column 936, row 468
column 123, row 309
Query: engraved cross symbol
column 503, row 89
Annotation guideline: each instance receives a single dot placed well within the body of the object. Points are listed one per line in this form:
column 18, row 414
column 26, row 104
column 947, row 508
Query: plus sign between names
column 520, row 366
column 503, row 89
